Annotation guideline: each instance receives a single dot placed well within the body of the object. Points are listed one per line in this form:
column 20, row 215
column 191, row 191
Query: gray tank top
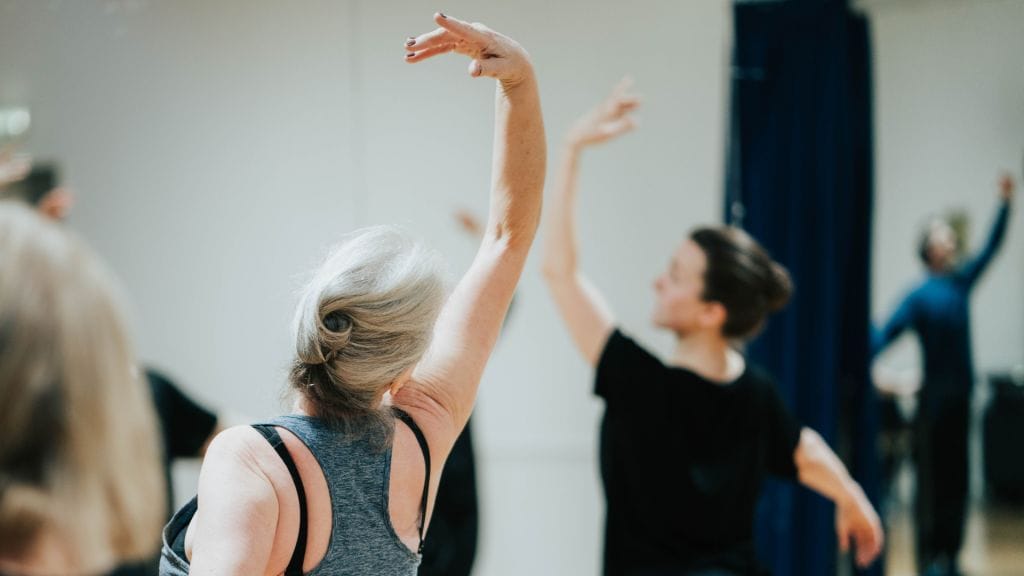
column 363, row 541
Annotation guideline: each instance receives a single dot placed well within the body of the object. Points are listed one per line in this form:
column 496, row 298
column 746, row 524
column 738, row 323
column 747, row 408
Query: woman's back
column 356, row 523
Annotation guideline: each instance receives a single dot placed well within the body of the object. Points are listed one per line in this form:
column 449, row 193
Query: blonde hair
column 79, row 458
column 365, row 318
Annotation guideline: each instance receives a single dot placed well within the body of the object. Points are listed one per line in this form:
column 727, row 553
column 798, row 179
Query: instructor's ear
column 713, row 315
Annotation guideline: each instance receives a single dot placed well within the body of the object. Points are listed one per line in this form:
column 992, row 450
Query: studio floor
column 994, row 543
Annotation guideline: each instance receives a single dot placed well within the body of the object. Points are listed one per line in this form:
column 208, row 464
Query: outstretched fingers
column 462, row 29
column 427, row 53
column 491, row 54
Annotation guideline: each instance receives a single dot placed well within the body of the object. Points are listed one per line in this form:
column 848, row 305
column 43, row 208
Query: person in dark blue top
column 938, row 311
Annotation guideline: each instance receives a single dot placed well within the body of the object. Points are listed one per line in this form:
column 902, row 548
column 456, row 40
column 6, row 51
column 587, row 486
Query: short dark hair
column 42, row 179
column 924, row 241
column 743, row 277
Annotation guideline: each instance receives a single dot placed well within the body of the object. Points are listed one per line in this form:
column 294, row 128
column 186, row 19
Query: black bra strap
column 268, row 432
column 404, row 417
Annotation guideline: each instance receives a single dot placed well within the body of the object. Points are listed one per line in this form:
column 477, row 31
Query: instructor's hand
column 609, row 119
column 857, row 522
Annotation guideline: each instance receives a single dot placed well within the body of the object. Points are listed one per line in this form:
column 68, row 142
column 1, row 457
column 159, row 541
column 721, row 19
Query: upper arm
column 238, row 509
column 442, row 390
column 808, row 449
column 584, row 311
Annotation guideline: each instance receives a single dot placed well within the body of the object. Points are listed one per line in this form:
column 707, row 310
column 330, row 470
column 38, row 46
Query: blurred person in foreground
column 185, row 426
column 80, row 485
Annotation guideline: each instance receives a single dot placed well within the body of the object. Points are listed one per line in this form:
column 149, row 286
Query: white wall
column 218, row 148
column 949, row 92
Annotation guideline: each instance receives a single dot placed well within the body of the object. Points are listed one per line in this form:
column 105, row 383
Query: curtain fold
column 799, row 179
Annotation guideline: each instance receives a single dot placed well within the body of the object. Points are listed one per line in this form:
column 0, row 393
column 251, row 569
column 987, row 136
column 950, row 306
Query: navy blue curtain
column 799, row 179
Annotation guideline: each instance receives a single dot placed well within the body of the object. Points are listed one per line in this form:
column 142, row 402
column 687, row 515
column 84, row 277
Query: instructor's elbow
column 551, row 271
column 809, row 450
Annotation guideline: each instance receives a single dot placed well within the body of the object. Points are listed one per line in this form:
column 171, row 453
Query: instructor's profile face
column 678, row 290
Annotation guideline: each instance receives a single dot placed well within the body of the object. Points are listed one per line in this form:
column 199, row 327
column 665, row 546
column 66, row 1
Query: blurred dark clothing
column 450, row 547
column 940, row 501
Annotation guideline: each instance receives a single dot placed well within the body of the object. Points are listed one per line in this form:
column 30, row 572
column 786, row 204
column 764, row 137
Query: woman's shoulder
column 242, row 443
column 622, row 347
column 240, row 454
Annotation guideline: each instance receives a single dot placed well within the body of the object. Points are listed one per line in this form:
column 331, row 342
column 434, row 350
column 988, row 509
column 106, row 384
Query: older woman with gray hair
column 385, row 374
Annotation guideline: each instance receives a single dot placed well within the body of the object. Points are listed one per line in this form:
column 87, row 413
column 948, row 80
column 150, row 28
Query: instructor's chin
column 659, row 321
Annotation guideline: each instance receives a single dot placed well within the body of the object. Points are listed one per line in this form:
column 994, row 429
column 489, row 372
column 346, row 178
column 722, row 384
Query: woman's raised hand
column 492, row 54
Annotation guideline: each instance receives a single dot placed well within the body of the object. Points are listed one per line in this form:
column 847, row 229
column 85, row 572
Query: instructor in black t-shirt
column 685, row 444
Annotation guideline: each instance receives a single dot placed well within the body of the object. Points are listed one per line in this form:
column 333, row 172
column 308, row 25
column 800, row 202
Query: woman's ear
column 399, row 382
column 713, row 315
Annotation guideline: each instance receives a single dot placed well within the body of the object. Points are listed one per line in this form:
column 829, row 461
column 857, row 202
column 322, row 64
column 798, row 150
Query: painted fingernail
column 441, row 14
column 410, row 54
column 410, row 41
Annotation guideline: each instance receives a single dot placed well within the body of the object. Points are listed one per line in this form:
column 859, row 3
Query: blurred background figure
column 938, row 311
column 41, row 187
column 80, row 484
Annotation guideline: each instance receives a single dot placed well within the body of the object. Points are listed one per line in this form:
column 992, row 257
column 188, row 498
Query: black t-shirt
column 682, row 460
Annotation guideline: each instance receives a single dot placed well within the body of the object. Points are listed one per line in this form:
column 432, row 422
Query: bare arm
column 444, row 385
column 582, row 307
column 234, row 531
column 976, row 266
column 821, row 470
column 901, row 320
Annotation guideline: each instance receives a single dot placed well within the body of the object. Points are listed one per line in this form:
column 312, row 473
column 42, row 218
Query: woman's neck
column 303, row 406
column 708, row 355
